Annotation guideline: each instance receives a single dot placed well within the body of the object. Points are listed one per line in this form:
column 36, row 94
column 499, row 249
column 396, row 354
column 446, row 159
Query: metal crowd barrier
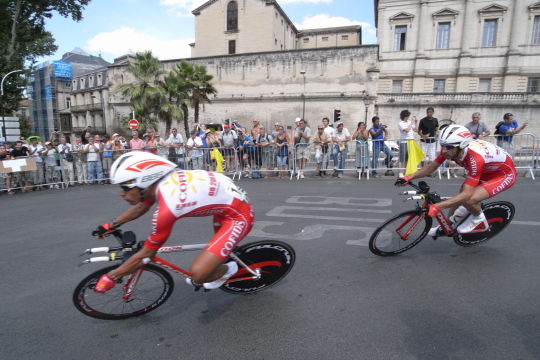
column 259, row 161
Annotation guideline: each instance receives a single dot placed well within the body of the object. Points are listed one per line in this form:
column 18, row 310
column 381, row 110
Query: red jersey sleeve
column 162, row 224
column 474, row 164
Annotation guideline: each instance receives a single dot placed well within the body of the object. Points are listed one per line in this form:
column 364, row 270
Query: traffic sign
column 133, row 124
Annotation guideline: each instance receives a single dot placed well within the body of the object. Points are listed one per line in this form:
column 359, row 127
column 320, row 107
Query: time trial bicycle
column 405, row 230
column 260, row 265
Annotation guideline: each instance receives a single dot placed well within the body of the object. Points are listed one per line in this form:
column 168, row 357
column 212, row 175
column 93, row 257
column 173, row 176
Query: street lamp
column 367, row 102
column 303, row 72
column 1, row 107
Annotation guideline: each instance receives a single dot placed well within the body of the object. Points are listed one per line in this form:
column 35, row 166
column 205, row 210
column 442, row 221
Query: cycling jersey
column 201, row 193
column 487, row 165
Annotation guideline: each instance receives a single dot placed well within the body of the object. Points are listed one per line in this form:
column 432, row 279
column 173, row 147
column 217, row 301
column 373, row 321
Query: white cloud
column 182, row 7
column 325, row 20
column 125, row 39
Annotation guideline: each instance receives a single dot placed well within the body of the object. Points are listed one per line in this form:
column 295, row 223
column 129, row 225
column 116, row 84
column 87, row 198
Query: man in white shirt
column 35, row 149
column 341, row 138
column 66, row 160
column 93, row 161
column 176, row 148
column 195, row 145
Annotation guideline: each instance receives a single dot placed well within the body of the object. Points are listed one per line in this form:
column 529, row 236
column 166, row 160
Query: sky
column 116, row 27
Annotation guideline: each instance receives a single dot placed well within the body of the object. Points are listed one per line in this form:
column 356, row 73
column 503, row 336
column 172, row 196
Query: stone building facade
column 459, row 56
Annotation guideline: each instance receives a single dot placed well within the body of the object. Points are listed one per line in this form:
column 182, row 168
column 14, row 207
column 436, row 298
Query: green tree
column 196, row 85
column 174, row 96
column 144, row 94
column 23, row 38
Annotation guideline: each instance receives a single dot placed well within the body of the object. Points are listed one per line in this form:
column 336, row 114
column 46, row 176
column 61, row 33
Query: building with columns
column 459, row 56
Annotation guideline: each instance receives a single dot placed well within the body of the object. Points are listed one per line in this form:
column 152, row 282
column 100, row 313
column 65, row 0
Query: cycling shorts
column 230, row 228
column 501, row 180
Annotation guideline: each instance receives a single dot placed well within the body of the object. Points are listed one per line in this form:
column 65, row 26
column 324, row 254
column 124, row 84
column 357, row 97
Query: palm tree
column 173, row 98
column 196, row 85
column 143, row 94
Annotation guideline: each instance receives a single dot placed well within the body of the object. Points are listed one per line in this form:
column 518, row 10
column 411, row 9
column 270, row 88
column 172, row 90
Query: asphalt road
column 437, row 301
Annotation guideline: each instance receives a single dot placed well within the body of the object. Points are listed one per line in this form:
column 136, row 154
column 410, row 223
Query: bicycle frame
column 134, row 277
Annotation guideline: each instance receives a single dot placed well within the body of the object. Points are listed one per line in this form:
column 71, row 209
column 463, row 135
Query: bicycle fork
column 129, row 286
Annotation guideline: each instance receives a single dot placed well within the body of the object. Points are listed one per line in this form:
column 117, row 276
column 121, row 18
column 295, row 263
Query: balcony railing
column 459, row 98
column 87, row 107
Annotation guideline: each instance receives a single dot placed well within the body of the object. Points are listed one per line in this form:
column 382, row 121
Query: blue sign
column 62, row 69
column 47, row 92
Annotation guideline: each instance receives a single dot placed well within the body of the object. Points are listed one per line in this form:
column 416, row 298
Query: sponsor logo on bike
column 236, row 231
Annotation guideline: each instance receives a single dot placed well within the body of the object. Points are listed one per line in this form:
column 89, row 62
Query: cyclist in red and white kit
column 489, row 168
column 146, row 179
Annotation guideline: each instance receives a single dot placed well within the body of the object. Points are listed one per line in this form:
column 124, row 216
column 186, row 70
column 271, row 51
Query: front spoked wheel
column 498, row 214
column 153, row 288
column 271, row 259
column 400, row 233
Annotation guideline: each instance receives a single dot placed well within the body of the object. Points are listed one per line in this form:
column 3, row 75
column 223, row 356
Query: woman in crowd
column 361, row 136
column 282, row 144
column 407, row 128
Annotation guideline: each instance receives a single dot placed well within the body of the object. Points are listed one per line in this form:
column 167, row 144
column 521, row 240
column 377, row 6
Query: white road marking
column 327, row 200
column 532, row 223
column 280, row 211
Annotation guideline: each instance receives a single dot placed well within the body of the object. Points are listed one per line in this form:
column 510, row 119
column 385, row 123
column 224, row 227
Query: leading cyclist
column 489, row 168
column 145, row 179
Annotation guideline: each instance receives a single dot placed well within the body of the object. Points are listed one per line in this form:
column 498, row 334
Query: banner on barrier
column 17, row 165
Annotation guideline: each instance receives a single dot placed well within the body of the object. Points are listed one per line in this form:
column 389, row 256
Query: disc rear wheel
column 271, row 259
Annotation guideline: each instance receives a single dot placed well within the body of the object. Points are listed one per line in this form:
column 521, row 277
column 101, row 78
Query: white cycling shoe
column 474, row 224
column 232, row 269
column 460, row 213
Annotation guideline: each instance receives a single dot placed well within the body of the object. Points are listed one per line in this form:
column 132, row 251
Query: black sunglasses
column 449, row 147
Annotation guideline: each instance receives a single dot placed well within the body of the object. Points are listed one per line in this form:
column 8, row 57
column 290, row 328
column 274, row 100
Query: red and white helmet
column 455, row 135
column 140, row 169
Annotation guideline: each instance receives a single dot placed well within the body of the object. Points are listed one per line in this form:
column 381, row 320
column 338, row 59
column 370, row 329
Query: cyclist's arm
column 133, row 212
column 425, row 171
column 466, row 193
column 132, row 264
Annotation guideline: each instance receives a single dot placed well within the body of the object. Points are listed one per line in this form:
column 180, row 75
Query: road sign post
column 133, row 124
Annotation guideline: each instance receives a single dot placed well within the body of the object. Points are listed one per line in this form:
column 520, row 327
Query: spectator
column 361, row 135
column 341, row 138
column 117, row 149
column 329, row 130
column 265, row 150
column 149, row 144
column 255, row 129
column 477, row 128
column 508, row 129
column 107, row 156
column 136, row 144
column 301, row 140
column 80, row 161
column 378, row 134
column 123, row 141
column 229, row 138
column 85, row 135
column 6, row 177
column 427, row 129
column 36, row 149
column 176, row 148
column 20, row 178
column 202, row 133
column 406, row 131
column 243, row 152
column 282, row 143
column 162, row 149
column 274, row 133
column 51, row 174
column 66, row 161
column 322, row 141
column 93, row 161
column 236, row 126
column 195, row 144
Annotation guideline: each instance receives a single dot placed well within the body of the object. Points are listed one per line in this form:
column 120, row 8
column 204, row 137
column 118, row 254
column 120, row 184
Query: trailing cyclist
column 146, row 179
column 490, row 170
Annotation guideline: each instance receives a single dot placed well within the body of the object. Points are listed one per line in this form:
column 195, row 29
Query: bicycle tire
column 378, row 238
column 274, row 259
column 95, row 305
column 498, row 214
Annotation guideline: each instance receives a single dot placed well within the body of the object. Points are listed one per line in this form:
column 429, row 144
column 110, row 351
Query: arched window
column 232, row 16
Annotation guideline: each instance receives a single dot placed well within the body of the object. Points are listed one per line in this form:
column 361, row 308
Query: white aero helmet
column 139, row 169
column 455, row 135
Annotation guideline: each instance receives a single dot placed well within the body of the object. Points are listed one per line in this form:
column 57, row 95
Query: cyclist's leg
column 229, row 229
